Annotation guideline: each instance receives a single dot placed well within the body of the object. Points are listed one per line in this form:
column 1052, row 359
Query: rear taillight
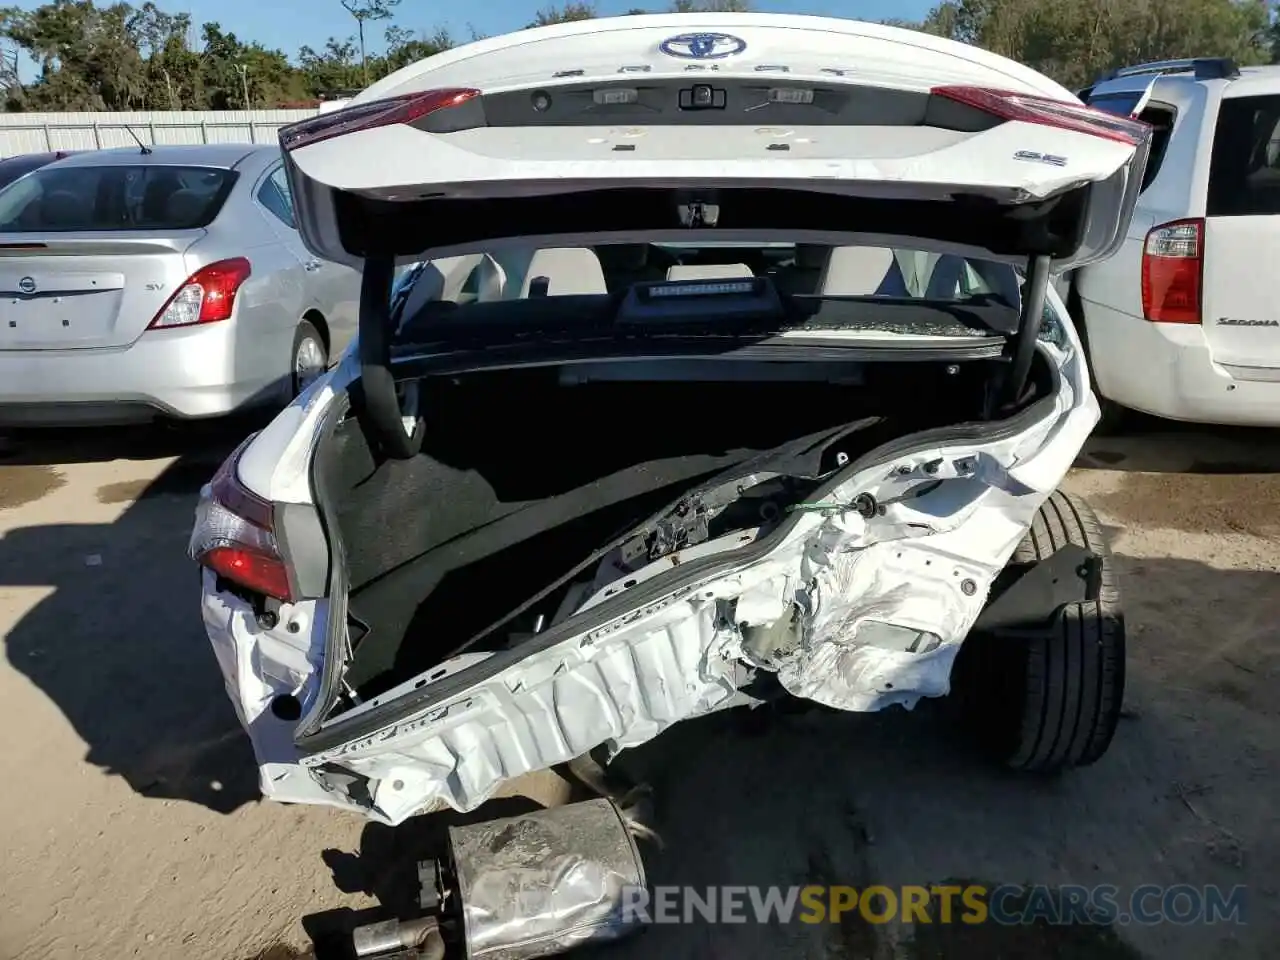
column 405, row 108
column 207, row 296
column 1029, row 108
column 1172, row 267
column 234, row 535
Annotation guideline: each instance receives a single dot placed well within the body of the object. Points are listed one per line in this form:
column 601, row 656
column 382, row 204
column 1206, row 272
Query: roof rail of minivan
column 1204, row 68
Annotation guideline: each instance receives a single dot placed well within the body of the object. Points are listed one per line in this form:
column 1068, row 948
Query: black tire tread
column 1074, row 676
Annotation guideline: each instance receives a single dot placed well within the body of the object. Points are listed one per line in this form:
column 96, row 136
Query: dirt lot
column 133, row 829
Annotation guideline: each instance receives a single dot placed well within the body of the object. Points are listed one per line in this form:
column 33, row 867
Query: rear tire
column 310, row 358
column 1051, row 702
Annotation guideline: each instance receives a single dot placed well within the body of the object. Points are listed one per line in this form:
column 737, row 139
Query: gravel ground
column 133, row 827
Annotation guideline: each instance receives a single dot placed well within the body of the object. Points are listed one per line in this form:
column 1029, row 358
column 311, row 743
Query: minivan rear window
column 1159, row 116
column 1120, row 104
column 1244, row 171
column 59, row 199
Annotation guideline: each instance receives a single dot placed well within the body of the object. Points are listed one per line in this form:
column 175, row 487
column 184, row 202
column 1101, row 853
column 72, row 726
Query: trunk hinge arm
column 379, row 407
column 1029, row 321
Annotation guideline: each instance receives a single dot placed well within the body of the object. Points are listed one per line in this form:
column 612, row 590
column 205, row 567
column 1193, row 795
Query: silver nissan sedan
column 161, row 282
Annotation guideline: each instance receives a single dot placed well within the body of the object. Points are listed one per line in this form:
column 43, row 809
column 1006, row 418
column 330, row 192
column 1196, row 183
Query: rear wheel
column 310, row 357
column 1051, row 700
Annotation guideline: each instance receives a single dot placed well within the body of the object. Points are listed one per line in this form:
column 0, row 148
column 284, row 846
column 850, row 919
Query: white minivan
column 1184, row 321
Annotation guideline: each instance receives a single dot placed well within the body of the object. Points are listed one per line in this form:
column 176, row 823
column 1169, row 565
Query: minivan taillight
column 207, row 296
column 234, row 535
column 404, row 108
column 1172, row 271
column 1030, row 108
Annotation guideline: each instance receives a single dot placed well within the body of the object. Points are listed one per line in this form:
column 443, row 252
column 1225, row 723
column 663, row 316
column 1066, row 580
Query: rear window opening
column 525, row 298
column 1120, row 104
column 809, row 269
column 1159, row 116
column 114, row 198
column 1244, row 172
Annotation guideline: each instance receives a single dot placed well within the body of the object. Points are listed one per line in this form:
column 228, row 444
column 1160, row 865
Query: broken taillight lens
column 234, row 535
column 405, row 108
column 1029, row 108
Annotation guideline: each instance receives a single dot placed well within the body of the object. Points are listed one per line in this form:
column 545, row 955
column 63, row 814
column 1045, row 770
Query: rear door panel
column 332, row 289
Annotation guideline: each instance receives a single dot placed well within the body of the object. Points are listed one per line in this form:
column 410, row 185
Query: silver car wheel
column 309, row 363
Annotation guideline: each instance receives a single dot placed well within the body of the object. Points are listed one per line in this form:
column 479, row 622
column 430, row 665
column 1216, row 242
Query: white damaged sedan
column 727, row 369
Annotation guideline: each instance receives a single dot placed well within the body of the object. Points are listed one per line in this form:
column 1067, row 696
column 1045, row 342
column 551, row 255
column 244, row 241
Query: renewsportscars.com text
column 1008, row 904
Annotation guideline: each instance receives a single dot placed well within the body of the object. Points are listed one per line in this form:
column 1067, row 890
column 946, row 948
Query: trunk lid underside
column 614, row 130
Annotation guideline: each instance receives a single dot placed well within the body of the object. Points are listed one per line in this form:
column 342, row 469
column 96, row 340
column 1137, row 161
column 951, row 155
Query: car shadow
column 117, row 644
column 797, row 796
column 153, row 441
column 1152, row 445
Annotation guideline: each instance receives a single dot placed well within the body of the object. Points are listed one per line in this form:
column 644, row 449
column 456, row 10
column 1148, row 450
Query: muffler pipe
column 417, row 939
column 546, row 882
column 522, row 887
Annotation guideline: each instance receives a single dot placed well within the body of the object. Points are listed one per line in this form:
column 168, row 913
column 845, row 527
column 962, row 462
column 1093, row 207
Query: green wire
column 818, row 507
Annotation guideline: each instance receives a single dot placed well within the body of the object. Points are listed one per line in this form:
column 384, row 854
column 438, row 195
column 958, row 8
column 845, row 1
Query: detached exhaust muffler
column 521, row 887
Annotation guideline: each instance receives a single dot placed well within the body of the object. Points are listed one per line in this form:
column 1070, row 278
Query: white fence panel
column 40, row 132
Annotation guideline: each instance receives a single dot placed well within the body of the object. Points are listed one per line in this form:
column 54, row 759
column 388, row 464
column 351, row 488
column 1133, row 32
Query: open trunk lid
column 776, row 124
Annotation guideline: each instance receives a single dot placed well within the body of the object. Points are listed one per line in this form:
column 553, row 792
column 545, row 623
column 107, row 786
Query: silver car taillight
column 207, row 296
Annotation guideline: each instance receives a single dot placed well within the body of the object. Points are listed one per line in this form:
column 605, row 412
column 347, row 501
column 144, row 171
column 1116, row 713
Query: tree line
column 124, row 57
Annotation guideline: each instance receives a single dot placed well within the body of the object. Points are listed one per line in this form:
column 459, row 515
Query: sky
column 289, row 24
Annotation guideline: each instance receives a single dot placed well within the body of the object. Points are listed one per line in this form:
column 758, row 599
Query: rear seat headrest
column 184, row 207
column 709, row 271
column 862, row 272
column 491, row 280
column 569, row 271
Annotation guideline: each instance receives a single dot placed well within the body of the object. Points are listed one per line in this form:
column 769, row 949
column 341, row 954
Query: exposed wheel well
column 317, row 320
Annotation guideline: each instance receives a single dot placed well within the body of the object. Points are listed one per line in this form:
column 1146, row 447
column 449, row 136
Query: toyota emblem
column 702, row 46
column 27, row 285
